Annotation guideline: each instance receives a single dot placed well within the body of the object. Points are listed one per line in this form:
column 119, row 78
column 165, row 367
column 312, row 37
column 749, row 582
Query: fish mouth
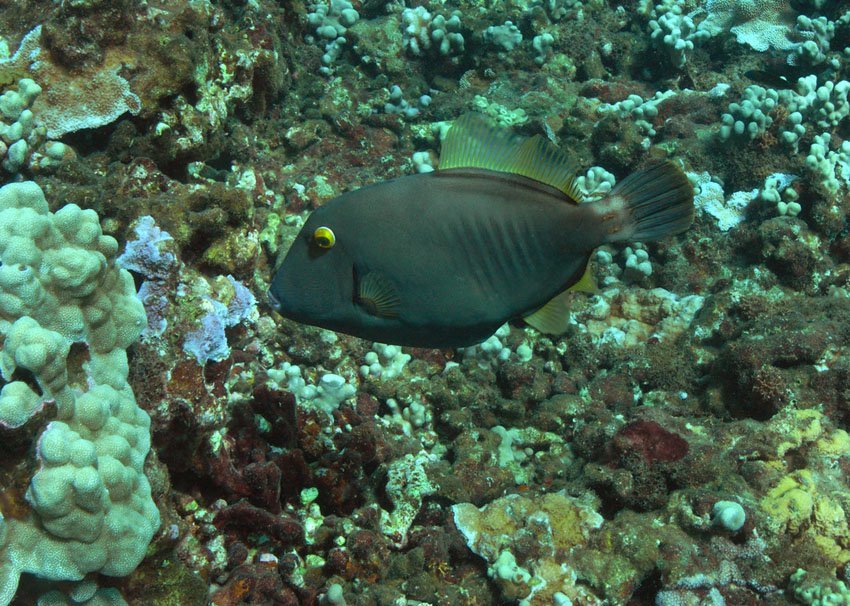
column 273, row 301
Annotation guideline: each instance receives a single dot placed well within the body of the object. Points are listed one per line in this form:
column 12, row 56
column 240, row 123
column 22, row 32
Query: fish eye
column 324, row 237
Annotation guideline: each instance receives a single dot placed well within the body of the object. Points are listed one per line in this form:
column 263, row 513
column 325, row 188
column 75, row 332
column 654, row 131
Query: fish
column 771, row 79
column 442, row 259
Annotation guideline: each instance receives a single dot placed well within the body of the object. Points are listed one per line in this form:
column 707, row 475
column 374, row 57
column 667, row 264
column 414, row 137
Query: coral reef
column 168, row 439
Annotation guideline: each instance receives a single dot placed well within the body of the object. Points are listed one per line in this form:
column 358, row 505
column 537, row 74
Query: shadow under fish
column 443, row 259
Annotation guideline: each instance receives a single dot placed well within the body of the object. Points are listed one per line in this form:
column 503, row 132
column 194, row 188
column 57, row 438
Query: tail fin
column 652, row 203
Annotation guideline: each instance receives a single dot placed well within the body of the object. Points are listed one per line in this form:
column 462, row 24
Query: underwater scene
column 424, row 302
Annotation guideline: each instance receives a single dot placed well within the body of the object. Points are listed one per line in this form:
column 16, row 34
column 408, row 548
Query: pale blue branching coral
column 384, row 361
column 410, row 417
column 794, row 130
column 596, row 182
column 330, row 22
column 23, row 143
column 642, row 111
column 422, row 162
column 521, row 449
column 751, row 117
column 729, row 212
column 676, row 34
column 558, row 9
column 777, row 192
column 500, row 113
column 831, row 166
column 814, row 591
column 506, row 36
column 506, row 569
column 678, row 26
column 310, row 514
column 637, row 264
column 607, row 272
column 397, row 104
column 543, row 45
column 91, row 506
column 425, row 33
column 490, row 353
column 824, row 105
column 330, row 391
column 817, row 35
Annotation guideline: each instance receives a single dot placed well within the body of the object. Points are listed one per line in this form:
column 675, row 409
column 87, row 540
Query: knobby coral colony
column 167, row 438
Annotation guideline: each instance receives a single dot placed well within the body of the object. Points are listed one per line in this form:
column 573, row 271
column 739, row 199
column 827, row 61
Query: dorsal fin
column 475, row 142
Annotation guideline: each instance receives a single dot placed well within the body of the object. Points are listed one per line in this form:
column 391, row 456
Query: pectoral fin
column 377, row 294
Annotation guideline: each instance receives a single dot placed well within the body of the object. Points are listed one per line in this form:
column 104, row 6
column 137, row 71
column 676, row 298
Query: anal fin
column 587, row 283
column 554, row 317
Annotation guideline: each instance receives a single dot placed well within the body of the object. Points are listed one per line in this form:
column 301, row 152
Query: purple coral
column 148, row 254
column 241, row 304
column 209, row 341
column 154, row 296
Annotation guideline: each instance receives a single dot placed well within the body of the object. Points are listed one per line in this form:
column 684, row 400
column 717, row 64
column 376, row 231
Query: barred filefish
column 442, row 259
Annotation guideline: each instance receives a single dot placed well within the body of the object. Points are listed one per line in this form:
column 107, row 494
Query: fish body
column 442, row 259
column 774, row 80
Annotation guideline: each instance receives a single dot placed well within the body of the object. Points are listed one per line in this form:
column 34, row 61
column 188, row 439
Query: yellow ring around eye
column 324, row 237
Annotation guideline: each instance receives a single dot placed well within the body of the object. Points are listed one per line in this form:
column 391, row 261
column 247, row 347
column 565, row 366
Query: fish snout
column 274, row 302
